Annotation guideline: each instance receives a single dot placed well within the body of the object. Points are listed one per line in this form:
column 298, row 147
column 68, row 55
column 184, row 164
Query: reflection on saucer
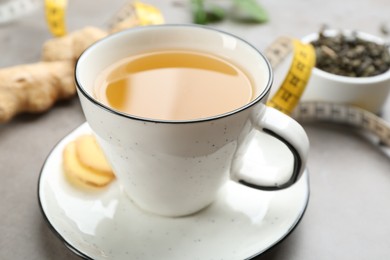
column 241, row 223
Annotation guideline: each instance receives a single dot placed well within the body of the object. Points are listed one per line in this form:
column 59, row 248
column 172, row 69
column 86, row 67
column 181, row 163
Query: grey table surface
column 349, row 209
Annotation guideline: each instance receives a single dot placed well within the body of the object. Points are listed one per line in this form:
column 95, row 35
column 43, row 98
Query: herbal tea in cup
column 174, row 85
column 170, row 105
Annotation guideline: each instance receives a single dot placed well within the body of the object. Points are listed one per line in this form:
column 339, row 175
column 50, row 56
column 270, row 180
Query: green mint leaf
column 249, row 10
column 199, row 15
column 204, row 13
column 215, row 14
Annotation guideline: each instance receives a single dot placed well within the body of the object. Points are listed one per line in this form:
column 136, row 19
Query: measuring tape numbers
column 289, row 93
column 14, row 9
column 132, row 14
column 316, row 111
column 135, row 14
column 287, row 97
column 55, row 11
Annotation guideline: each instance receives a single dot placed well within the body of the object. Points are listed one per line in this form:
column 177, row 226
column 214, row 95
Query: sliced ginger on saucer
column 90, row 154
column 80, row 174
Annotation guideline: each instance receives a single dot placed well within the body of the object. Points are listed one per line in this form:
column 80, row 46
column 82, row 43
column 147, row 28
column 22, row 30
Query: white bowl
column 369, row 93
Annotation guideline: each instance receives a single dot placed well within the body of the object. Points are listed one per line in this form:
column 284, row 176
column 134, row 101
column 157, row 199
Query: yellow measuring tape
column 55, row 16
column 137, row 12
column 289, row 93
column 286, row 98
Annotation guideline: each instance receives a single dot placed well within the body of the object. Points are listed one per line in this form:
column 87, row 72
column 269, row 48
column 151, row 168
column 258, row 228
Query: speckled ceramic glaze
column 176, row 168
column 241, row 222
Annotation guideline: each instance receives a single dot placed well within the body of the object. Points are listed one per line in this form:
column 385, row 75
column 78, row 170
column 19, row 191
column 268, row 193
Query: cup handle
column 288, row 131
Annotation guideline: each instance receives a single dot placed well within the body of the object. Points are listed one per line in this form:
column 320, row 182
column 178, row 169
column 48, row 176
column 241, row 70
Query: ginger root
column 71, row 46
column 36, row 87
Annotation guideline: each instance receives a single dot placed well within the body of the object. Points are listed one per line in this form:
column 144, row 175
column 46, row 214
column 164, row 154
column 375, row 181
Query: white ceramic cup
column 176, row 168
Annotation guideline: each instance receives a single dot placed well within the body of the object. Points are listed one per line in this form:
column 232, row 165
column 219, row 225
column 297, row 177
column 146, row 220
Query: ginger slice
column 90, row 154
column 79, row 174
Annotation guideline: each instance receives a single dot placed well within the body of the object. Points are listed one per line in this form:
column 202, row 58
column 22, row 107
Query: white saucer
column 240, row 224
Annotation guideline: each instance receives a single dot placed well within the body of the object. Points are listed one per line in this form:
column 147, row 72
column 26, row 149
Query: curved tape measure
column 14, row 9
column 131, row 14
column 55, row 11
column 289, row 93
column 287, row 96
column 344, row 114
column 135, row 14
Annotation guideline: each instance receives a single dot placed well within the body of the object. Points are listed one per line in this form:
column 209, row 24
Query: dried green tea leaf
column 351, row 56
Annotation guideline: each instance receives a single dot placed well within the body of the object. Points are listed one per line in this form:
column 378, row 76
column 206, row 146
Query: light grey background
column 349, row 211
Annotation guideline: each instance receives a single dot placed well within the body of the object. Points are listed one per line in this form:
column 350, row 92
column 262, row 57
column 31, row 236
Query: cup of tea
column 171, row 105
